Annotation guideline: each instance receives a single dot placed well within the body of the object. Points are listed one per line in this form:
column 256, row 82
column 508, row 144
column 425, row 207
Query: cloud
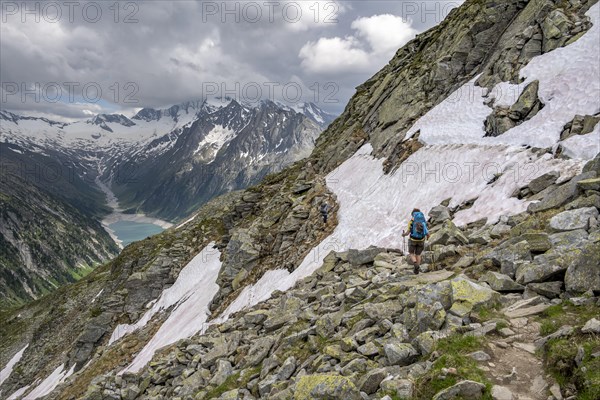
column 333, row 55
column 375, row 41
column 173, row 48
column 385, row 33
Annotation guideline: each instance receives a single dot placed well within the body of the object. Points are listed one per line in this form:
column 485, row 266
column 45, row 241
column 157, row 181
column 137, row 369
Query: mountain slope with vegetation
column 49, row 231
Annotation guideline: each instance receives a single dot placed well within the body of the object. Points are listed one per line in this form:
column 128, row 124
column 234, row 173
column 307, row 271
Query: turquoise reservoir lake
column 129, row 231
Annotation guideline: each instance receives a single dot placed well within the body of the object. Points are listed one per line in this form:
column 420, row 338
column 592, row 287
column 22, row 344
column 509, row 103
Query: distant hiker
column 417, row 229
column 324, row 210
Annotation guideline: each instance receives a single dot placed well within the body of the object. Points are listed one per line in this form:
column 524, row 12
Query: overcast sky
column 76, row 59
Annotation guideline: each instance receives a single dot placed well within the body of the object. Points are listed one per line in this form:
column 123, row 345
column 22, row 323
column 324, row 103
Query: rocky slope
column 363, row 326
column 49, row 231
column 280, row 328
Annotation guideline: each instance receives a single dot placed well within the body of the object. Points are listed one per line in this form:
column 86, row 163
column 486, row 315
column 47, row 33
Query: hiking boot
column 416, row 269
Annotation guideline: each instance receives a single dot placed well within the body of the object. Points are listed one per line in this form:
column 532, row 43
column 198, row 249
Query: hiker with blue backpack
column 417, row 229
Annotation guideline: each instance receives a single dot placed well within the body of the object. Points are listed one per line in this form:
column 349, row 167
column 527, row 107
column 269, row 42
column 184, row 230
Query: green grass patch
column 453, row 352
column 559, row 354
column 566, row 313
column 229, row 384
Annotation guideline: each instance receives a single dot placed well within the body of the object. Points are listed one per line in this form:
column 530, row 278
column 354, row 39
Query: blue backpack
column 418, row 228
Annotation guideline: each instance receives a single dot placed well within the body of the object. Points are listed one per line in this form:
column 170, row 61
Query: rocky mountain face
column 49, row 232
column 224, row 149
column 256, row 298
column 165, row 162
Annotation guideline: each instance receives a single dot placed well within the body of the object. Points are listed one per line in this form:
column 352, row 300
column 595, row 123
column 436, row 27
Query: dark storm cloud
column 164, row 52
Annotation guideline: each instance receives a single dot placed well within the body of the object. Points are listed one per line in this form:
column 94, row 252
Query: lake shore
column 118, row 215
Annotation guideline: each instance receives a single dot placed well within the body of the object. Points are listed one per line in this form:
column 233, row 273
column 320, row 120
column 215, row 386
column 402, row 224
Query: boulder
column 501, row 393
column 524, row 308
column 562, row 195
column 538, row 242
column 592, row 326
column 589, row 184
column 448, row 234
column 542, row 182
column 370, row 382
column 583, row 272
column 550, row 290
column 404, row 388
column 573, row 219
column 468, row 295
column 538, row 272
column 367, row 256
column 439, row 214
column 465, row 390
column 508, row 256
column 399, row 353
column 326, row 387
column 566, row 240
column 258, row 351
column 501, row 283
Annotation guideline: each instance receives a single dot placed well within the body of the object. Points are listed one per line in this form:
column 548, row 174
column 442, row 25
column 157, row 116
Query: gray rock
column 480, row 356
column 439, row 214
column 538, row 242
column 466, row 390
column 592, row 326
column 404, row 388
column 538, row 272
column 325, row 387
column 501, row 393
column 258, row 351
column 367, row 256
column 562, row 195
column 550, row 290
column 287, row 369
column 370, row 382
column 501, row 283
column 224, row 371
column 398, row 353
column 583, row 273
column 499, row 230
column 573, row 219
column 542, row 182
column 448, row 234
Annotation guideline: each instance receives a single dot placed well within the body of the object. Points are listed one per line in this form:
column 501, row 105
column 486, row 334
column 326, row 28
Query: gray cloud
column 163, row 52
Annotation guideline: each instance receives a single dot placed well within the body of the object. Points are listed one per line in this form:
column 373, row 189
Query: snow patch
column 566, row 87
column 8, row 368
column 58, row 376
column 190, row 295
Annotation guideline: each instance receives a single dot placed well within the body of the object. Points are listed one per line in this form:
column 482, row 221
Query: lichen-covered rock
column 583, row 272
column 326, row 387
column 448, row 234
column 573, row 219
column 471, row 295
column 542, row 182
column 399, row 353
column 501, row 283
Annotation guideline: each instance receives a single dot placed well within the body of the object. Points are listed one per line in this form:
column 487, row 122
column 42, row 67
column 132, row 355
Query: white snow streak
column 8, row 368
column 52, row 381
column 191, row 294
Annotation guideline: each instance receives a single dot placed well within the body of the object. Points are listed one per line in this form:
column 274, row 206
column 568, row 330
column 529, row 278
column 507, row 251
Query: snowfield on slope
column 8, row 368
column 569, row 85
column 190, row 296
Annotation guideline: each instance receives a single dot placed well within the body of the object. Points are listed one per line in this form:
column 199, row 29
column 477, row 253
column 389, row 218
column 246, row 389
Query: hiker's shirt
column 410, row 230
